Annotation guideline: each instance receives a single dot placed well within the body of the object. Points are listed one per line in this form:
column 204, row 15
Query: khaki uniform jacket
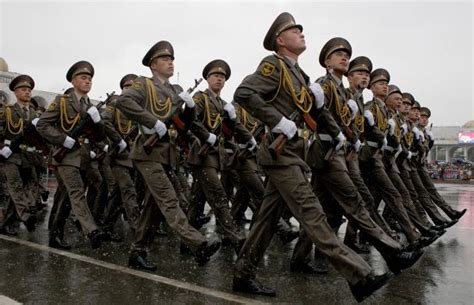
column 266, row 96
column 21, row 158
column 57, row 122
column 118, row 127
column 392, row 142
column 329, row 124
column 253, row 126
column 358, row 124
column 210, row 108
column 137, row 104
column 376, row 133
column 405, row 142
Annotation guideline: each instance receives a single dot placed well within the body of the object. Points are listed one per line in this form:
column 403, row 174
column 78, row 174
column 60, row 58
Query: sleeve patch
column 52, row 106
column 267, row 69
column 137, row 85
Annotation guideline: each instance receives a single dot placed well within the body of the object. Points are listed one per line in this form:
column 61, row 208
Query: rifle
column 351, row 151
column 17, row 141
column 245, row 153
column 277, row 145
column 61, row 152
column 114, row 147
column 204, row 150
column 180, row 125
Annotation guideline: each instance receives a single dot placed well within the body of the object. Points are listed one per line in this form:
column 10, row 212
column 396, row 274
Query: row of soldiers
column 324, row 153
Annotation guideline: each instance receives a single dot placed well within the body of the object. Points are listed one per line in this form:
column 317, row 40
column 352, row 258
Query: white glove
column 430, row 135
column 6, row 152
column 106, row 148
column 229, row 108
column 341, row 140
column 160, row 128
column 399, row 150
column 211, row 139
column 35, row 121
column 122, row 145
column 409, row 155
column 69, row 142
column 369, row 117
column 318, row 94
column 391, row 127
column 417, row 132
column 187, row 98
column 92, row 154
column 286, row 127
column 251, row 144
column 94, row 114
column 357, row 145
column 384, row 144
column 405, row 128
column 353, row 106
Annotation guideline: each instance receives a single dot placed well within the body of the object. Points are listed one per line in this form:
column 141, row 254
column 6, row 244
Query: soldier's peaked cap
column 409, row 97
column 333, row 45
column 22, row 81
column 160, row 49
column 283, row 22
column 393, row 89
column 379, row 75
column 127, row 80
column 425, row 111
column 360, row 63
column 217, row 66
column 80, row 67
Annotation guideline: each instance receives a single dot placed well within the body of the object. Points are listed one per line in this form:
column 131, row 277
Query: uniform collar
column 78, row 96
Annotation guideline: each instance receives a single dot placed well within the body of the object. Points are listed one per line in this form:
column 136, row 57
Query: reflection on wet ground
column 445, row 274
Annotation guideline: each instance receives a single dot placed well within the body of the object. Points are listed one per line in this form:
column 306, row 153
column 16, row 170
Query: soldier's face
column 423, row 120
column 23, row 94
column 338, row 61
column 414, row 114
column 164, row 66
column 359, row 79
column 380, row 89
column 405, row 107
column 82, row 83
column 292, row 40
column 216, row 82
column 394, row 101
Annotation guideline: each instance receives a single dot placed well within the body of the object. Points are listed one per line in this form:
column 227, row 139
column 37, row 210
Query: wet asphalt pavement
column 33, row 273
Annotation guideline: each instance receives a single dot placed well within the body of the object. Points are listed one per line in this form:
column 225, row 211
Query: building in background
column 9, row 97
column 453, row 142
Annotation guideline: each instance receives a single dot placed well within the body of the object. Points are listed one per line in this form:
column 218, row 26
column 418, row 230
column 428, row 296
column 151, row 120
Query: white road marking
column 4, row 300
column 153, row 277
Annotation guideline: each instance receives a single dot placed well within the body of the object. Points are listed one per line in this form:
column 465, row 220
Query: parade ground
column 33, row 273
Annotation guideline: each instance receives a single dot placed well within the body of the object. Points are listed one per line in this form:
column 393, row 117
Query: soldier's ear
column 326, row 63
column 279, row 42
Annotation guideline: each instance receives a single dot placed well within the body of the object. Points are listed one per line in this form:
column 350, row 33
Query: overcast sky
column 426, row 46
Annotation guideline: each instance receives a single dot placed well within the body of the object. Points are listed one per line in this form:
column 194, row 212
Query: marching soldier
column 425, row 114
column 417, row 151
column 253, row 188
column 278, row 94
column 393, row 102
column 372, row 167
column 331, row 182
column 358, row 76
column 56, row 125
column 152, row 102
column 404, row 157
column 16, row 122
column 214, row 117
column 124, row 193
